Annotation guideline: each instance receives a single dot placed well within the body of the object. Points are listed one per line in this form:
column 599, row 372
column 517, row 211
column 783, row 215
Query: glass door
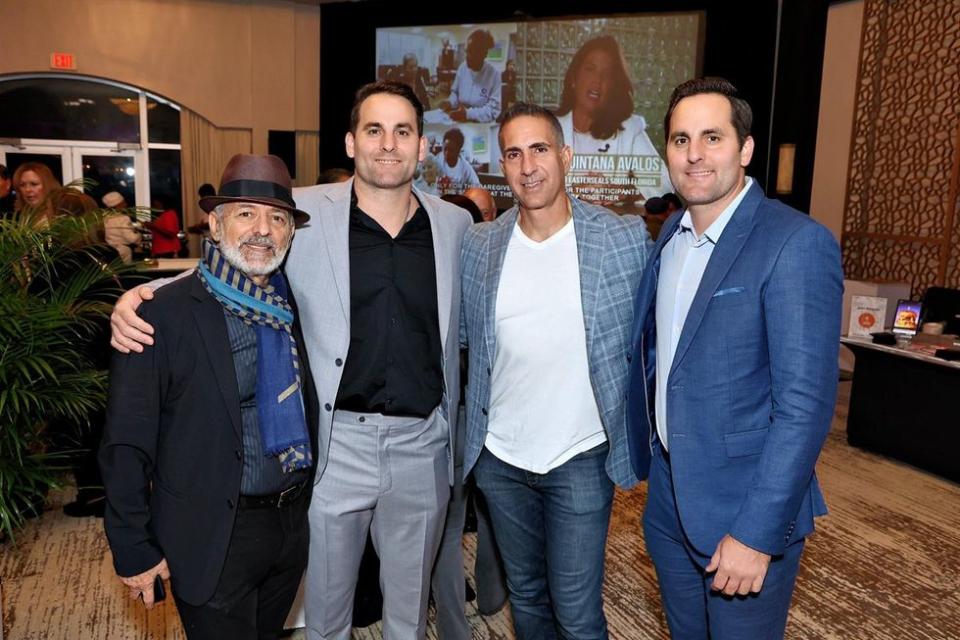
column 106, row 170
column 56, row 158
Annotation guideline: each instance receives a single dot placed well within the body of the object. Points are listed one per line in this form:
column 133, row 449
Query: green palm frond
column 54, row 290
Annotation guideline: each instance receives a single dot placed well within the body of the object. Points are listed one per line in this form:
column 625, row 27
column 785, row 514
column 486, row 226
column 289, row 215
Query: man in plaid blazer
column 547, row 307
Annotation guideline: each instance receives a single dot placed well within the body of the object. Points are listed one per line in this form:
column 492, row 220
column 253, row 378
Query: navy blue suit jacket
column 751, row 391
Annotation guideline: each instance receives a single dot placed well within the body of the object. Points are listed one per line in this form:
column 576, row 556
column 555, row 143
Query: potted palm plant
column 56, row 291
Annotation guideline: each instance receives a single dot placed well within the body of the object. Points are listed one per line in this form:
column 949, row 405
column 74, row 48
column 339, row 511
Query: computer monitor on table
column 906, row 320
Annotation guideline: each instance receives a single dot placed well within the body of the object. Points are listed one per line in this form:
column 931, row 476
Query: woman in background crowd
column 37, row 189
column 166, row 231
column 596, row 109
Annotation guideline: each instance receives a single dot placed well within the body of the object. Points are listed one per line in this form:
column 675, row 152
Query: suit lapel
column 497, row 242
column 589, row 234
column 442, row 268
column 724, row 255
column 208, row 314
column 336, row 234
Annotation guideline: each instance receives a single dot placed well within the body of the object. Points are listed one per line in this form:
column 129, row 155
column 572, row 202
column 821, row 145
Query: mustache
column 259, row 241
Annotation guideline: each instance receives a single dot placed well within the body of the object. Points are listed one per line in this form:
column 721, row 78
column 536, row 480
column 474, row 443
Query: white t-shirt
column 542, row 408
column 478, row 91
column 631, row 141
column 461, row 175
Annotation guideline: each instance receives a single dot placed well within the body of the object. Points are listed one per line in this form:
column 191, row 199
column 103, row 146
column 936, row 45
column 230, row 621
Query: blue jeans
column 552, row 530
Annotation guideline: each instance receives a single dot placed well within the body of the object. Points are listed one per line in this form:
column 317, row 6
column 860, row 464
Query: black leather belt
column 278, row 500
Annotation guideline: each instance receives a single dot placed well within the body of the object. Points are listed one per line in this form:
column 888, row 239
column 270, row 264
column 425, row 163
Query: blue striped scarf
column 283, row 427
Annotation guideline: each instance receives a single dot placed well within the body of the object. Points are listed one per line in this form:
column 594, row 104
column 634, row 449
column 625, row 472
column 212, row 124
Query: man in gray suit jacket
column 377, row 277
column 548, row 292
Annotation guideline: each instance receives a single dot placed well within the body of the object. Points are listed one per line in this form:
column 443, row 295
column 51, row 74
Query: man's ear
column 349, row 141
column 746, row 151
column 215, row 231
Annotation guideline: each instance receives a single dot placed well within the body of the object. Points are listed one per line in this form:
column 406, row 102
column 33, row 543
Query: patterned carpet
column 885, row 565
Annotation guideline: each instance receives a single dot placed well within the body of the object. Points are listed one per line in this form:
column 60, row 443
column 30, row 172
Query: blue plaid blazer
column 612, row 253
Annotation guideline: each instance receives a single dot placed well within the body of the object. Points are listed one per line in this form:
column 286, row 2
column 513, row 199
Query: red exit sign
column 62, row 61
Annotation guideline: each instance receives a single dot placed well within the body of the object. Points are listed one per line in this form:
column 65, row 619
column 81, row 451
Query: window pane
column 68, row 110
column 163, row 122
column 165, row 179
column 103, row 174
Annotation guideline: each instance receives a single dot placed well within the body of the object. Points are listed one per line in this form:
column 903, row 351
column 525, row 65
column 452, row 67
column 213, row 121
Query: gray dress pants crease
column 388, row 475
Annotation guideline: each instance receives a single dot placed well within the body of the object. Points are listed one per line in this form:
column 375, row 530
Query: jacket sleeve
column 801, row 306
column 128, row 454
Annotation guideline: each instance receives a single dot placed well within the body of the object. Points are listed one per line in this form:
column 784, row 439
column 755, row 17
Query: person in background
column 508, row 85
column 118, row 229
column 36, row 189
column 484, row 201
column 332, row 175
column 596, row 110
column 454, row 166
column 166, row 231
column 475, row 93
column 7, row 197
column 411, row 74
column 202, row 228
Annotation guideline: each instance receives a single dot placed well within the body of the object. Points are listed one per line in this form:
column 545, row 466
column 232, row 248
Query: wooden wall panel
column 905, row 153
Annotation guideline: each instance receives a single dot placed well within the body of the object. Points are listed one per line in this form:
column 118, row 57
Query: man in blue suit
column 547, row 310
column 733, row 379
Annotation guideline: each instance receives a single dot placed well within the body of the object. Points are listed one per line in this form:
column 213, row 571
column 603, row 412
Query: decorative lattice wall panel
column 901, row 214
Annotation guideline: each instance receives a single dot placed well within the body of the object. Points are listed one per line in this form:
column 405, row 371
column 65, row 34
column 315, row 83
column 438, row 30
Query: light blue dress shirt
column 683, row 260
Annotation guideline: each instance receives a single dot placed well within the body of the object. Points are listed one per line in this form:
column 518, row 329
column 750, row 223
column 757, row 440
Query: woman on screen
column 596, row 111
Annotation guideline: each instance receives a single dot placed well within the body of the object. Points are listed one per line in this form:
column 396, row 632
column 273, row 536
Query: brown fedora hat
column 259, row 179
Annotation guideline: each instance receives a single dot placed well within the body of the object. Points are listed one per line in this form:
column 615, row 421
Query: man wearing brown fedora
column 377, row 276
column 210, row 439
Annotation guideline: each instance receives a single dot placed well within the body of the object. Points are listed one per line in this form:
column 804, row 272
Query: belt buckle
column 289, row 494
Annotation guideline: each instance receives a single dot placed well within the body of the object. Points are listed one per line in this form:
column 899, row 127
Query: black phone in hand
column 159, row 593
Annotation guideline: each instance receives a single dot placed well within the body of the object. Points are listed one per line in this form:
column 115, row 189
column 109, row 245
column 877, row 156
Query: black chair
column 941, row 304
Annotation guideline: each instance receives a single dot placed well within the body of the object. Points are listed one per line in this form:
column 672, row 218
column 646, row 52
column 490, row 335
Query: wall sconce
column 785, row 168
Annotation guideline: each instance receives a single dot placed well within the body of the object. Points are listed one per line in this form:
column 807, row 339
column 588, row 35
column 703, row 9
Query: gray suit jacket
column 318, row 269
column 612, row 253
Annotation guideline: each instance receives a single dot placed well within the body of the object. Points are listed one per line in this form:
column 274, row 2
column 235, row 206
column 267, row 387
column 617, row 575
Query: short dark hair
column 534, row 111
column 655, row 206
column 455, row 135
column 674, row 199
column 385, row 86
column 742, row 113
column 332, row 175
column 484, row 37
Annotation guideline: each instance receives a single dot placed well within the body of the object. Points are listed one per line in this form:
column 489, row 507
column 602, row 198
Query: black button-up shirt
column 394, row 365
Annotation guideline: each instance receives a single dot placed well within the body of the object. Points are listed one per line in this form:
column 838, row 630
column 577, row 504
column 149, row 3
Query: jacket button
column 338, row 362
column 238, row 454
column 230, row 503
column 327, row 406
column 362, row 419
column 629, row 358
column 483, row 411
column 488, row 370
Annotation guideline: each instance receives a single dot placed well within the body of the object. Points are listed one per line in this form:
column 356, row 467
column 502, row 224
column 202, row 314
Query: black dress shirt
column 394, row 365
column 262, row 476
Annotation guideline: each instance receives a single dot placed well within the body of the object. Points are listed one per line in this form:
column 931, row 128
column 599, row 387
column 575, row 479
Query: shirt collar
column 715, row 230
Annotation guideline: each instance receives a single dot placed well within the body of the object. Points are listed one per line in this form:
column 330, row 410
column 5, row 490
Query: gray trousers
column 449, row 593
column 387, row 475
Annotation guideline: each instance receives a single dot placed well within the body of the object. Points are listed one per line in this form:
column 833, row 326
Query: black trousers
column 265, row 561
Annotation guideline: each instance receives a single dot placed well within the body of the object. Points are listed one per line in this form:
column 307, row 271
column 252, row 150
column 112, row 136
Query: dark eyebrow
column 532, row 145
